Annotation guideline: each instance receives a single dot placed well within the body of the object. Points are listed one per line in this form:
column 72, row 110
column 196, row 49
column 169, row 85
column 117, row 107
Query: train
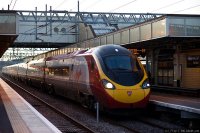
column 110, row 75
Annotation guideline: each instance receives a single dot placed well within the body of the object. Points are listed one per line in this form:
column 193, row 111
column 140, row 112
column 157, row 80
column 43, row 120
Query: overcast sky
column 129, row 6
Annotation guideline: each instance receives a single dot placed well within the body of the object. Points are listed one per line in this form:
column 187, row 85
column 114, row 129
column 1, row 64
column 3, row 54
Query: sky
column 119, row 6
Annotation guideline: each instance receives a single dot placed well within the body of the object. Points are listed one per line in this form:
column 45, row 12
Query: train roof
column 104, row 50
column 111, row 49
column 67, row 55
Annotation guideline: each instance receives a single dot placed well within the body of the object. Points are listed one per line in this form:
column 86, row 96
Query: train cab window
column 123, row 69
column 118, row 63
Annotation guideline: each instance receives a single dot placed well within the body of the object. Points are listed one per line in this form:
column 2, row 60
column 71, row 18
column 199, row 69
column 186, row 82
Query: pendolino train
column 109, row 74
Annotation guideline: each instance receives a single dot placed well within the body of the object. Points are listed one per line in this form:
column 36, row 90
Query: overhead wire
column 75, row 7
column 61, row 23
column 93, row 4
column 68, row 31
column 122, row 6
column 11, row 2
column 14, row 4
column 186, row 8
column 32, row 30
column 61, row 3
column 168, row 5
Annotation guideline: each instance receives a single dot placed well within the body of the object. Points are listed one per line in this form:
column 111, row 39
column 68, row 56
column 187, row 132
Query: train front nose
column 128, row 95
column 128, row 98
column 131, row 98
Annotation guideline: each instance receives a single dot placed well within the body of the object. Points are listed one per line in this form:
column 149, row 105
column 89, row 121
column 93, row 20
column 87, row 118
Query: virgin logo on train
column 129, row 93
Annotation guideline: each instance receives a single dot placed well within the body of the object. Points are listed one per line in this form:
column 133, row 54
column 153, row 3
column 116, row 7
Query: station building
column 174, row 59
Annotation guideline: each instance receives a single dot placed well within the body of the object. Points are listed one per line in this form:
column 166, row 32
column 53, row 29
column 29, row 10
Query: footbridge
column 61, row 28
column 40, row 31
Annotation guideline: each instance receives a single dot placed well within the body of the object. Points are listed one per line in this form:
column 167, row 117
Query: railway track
column 106, row 124
column 69, row 125
column 143, row 125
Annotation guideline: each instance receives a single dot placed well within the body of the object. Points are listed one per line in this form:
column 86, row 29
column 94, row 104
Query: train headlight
column 107, row 84
column 145, row 84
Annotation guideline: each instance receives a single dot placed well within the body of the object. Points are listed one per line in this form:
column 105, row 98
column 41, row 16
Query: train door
column 72, row 84
column 58, row 81
column 165, row 67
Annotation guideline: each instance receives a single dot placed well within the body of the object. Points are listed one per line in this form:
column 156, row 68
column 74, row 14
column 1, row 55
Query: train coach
column 108, row 74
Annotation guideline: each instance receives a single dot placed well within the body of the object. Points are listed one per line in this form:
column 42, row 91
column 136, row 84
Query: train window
column 122, row 69
column 118, row 63
column 50, row 71
column 65, row 71
column 58, row 71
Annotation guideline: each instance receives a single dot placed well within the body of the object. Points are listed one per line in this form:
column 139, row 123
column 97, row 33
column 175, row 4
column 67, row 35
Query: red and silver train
column 109, row 74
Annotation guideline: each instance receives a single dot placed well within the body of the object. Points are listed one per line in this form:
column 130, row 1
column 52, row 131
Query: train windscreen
column 118, row 63
column 124, row 70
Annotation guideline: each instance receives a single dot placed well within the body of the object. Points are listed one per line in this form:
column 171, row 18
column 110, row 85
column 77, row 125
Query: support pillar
column 177, row 68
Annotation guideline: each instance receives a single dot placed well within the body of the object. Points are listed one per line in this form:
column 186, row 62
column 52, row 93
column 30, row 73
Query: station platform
column 18, row 116
column 189, row 107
